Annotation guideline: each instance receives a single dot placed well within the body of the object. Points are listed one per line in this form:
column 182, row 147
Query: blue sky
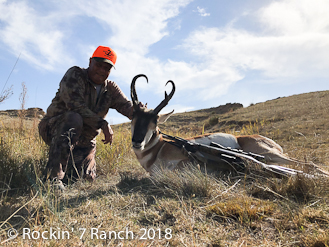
column 216, row 51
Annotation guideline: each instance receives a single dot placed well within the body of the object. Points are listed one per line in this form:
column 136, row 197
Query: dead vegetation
column 188, row 208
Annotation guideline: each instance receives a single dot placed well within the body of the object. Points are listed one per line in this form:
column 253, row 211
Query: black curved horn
column 133, row 93
column 167, row 98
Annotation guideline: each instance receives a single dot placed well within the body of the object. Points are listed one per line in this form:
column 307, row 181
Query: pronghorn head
column 144, row 122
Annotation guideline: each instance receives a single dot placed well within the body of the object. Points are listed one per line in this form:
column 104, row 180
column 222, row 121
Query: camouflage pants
column 68, row 152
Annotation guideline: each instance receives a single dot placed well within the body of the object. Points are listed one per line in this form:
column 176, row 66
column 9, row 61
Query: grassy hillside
column 188, row 208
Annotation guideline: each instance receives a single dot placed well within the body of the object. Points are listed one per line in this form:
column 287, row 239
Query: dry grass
column 190, row 208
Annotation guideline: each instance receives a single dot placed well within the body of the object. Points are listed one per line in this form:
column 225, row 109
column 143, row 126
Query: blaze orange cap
column 105, row 54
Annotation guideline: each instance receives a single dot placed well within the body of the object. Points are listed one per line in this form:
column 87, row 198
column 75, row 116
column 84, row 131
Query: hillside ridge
column 29, row 113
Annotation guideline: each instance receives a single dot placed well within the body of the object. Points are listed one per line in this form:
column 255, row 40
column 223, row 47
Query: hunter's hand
column 108, row 133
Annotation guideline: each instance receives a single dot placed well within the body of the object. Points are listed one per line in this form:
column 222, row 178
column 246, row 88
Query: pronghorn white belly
column 223, row 139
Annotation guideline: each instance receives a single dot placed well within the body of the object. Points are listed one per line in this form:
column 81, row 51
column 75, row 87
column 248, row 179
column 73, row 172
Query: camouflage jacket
column 78, row 94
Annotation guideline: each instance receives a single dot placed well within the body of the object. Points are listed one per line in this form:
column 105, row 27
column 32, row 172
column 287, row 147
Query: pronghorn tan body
column 152, row 151
column 257, row 144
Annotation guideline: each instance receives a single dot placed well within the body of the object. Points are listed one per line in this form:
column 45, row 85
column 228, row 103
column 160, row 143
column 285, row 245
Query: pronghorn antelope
column 153, row 151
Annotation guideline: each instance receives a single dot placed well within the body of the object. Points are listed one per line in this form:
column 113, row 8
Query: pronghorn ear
column 163, row 117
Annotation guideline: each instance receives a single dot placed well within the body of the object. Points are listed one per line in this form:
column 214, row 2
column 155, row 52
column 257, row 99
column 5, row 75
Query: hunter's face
column 98, row 71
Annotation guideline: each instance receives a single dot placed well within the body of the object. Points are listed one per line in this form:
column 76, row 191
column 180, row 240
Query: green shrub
column 213, row 120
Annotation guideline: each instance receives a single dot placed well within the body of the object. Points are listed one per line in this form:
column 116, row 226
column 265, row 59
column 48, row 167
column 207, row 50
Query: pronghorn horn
column 167, row 98
column 133, row 93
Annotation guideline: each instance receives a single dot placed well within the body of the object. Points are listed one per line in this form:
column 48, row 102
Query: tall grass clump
column 22, row 111
column 241, row 208
column 302, row 189
column 111, row 157
column 22, row 154
column 252, row 128
column 190, row 181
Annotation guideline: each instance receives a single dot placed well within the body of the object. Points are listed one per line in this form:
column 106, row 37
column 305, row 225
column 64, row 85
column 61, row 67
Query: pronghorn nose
column 137, row 145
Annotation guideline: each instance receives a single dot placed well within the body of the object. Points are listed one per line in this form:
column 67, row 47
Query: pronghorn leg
column 264, row 146
column 273, row 152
